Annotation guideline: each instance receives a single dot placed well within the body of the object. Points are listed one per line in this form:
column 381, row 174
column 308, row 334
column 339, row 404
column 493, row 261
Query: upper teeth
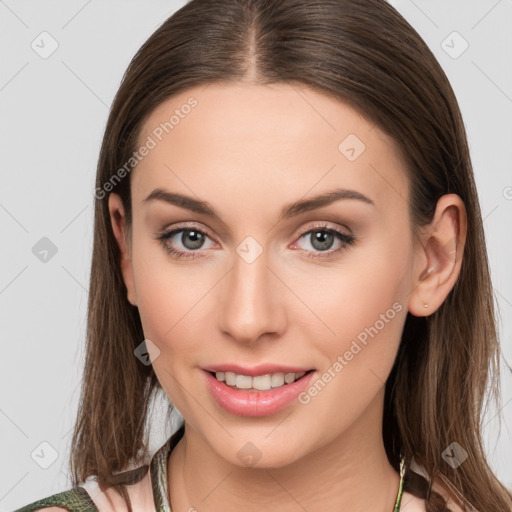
column 261, row 382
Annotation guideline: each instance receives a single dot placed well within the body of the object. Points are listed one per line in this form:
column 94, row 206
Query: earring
column 425, row 305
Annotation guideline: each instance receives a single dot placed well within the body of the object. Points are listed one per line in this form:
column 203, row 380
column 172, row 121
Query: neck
column 350, row 472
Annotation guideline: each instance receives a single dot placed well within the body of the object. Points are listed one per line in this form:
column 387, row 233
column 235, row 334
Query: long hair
column 364, row 53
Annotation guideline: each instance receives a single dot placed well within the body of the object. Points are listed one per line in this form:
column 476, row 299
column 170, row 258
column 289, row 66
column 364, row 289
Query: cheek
column 365, row 314
column 167, row 294
column 171, row 306
column 352, row 293
column 170, row 300
column 358, row 307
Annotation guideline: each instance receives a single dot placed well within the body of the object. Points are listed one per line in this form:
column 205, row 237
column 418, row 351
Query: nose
column 251, row 301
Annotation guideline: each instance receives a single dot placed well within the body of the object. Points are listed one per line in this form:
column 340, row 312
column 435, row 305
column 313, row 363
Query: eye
column 190, row 238
column 322, row 238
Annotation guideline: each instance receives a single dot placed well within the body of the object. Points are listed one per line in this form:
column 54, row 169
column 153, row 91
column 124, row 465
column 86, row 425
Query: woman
column 288, row 243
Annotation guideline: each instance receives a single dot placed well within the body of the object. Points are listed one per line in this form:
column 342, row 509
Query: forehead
column 275, row 143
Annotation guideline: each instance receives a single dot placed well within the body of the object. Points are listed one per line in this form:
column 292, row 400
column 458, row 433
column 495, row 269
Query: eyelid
column 301, row 232
column 324, row 225
column 188, row 225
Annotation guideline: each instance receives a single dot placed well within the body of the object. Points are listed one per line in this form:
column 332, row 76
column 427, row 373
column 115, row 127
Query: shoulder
column 75, row 499
column 453, row 502
column 411, row 503
column 109, row 500
column 89, row 497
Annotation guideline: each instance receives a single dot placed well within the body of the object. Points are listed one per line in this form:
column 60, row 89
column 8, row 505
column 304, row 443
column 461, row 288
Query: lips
column 254, row 371
column 242, row 402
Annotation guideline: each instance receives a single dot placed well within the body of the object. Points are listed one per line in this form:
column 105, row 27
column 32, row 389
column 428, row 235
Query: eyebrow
column 290, row 210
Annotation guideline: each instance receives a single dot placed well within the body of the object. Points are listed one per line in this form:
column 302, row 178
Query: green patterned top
column 77, row 499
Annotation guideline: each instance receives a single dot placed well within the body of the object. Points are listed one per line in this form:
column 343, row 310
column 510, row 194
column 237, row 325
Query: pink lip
column 261, row 369
column 255, row 403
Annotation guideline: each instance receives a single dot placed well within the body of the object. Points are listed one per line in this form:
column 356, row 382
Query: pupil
column 322, row 240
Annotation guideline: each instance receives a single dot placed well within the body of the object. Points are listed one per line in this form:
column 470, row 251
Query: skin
column 249, row 150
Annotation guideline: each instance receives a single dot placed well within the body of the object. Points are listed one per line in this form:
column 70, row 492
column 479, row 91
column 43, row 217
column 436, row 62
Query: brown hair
column 364, row 53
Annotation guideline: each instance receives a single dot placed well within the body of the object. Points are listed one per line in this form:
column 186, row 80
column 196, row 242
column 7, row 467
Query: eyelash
column 347, row 240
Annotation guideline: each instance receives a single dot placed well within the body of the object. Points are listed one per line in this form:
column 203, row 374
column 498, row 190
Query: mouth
column 261, row 395
column 258, row 383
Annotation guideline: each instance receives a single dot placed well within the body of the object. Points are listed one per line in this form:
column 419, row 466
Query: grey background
column 53, row 112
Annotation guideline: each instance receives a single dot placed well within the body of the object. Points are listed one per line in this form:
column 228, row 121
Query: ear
column 118, row 220
column 438, row 256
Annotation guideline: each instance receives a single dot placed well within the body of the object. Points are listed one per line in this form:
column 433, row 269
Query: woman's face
column 255, row 286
